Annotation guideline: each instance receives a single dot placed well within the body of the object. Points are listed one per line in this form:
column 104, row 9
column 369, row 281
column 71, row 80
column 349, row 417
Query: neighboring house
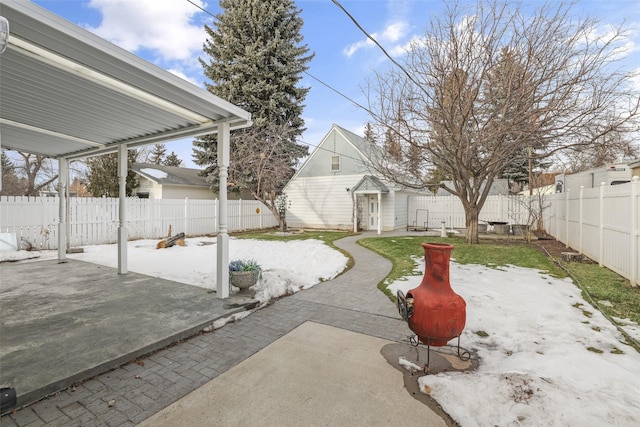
column 335, row 189
column 170, row 182
column 612, row 174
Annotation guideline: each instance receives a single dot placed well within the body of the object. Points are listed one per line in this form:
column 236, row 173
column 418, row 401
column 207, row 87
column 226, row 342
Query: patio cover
column 66, row 93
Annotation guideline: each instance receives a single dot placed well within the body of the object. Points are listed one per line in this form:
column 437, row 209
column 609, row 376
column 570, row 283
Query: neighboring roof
column 499, row 187
column 631, row 163
column 69, row 93
column 170, row 175
column 368, row 184
column 634, row 164
column 545, row 189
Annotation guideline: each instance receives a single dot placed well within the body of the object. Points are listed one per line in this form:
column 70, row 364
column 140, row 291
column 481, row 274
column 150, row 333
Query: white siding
column 148, row 186
column 321, row 202
column 186, row 192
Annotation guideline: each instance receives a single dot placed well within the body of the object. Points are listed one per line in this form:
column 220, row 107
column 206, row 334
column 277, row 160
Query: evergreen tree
column 256, row 61
column 102, row 175
column 157, row 154
column 12, row 185
column 369, row 133
column 172, row 160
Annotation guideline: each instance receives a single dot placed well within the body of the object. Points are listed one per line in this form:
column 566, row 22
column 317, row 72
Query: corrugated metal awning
column 65, row 92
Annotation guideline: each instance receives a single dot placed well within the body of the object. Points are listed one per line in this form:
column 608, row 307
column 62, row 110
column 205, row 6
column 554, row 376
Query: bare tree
column 38, row 172
column 497, row 82
column 262, row 163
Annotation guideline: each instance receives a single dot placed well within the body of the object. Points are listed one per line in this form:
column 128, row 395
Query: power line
column 357, row 104
column 340, row 93
column 370, row 37
column 202, row 8
column 319, row 81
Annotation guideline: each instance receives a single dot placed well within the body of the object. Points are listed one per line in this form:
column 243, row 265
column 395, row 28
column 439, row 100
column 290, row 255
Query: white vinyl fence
column 95, row 220
column 431, row 211
column 602, row 223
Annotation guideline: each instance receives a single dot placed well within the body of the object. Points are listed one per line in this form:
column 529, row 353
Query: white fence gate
column 95, row 220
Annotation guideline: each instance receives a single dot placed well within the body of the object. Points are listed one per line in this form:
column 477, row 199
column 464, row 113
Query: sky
column 170, row 34
column 544, row 362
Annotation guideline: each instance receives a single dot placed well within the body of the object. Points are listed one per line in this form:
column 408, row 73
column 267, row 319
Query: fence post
column 451, row 201
column 601, row 227
column 635, row 230
column 566, row 220
column 186, row 215
column 581, row 219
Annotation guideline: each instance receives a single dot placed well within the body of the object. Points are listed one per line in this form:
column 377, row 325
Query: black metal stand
column 462, row 353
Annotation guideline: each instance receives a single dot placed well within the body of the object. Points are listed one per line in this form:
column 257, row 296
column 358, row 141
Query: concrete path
column 350, row 307
column 316, row 375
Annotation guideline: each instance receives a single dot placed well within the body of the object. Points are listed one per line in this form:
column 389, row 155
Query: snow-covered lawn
column 550, row 358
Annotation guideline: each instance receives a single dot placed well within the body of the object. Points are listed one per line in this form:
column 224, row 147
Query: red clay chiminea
column 434, row 312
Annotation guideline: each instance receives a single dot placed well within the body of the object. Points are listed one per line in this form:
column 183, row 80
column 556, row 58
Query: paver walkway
column 134, row 392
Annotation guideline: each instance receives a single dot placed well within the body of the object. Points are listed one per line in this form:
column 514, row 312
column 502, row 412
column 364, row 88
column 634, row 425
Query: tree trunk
column 283, row 223
column 471, row 220
column 171, row 241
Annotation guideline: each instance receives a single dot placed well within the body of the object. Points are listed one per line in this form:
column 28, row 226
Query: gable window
column 335, row 163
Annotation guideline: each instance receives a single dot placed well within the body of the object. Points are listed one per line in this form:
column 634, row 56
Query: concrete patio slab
column 62, row 323
column 314, row 375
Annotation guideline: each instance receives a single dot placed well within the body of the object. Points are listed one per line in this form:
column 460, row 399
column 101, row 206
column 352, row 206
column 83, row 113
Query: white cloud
column 391, row 34
column 353, row 48
column 394, row 32
column 162, row 27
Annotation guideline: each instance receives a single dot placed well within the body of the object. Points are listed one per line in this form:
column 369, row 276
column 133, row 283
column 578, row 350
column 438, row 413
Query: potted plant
column 244, row 273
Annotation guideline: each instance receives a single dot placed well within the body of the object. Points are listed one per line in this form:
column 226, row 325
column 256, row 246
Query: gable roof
column 170, row 175
column 67, row 93
column 368, row 184
column 357, row 141
column 354, row 140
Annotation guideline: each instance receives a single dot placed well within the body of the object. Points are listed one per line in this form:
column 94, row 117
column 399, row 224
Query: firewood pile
column 170, row 240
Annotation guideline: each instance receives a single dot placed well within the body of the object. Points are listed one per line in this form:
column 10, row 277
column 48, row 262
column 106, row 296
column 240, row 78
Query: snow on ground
column 287, row 267
column 550, row 358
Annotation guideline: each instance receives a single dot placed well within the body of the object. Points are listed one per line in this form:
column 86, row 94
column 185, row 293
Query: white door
column 372, row 223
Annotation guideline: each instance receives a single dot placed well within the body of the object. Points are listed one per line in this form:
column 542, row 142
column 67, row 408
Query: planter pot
column 439, row 314
column 244, row 279
column 482, row 228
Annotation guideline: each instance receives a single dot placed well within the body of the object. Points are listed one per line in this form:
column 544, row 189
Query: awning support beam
column 222, row 250
column 122, row 196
